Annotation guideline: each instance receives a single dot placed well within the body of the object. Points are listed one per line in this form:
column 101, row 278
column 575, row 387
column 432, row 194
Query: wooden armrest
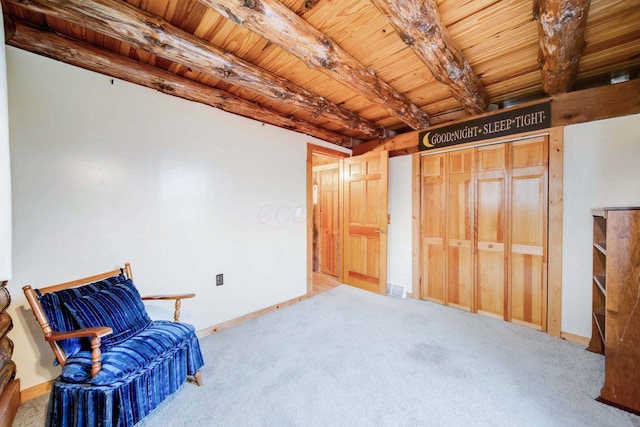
column 79, row 333
column 169, row 297
column 94, row 335
column 177, row 298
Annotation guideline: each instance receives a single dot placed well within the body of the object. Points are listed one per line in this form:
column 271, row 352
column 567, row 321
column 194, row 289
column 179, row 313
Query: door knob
column 380, row 231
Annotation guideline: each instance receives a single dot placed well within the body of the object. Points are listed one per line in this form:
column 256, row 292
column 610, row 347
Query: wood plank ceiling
column 345, row 71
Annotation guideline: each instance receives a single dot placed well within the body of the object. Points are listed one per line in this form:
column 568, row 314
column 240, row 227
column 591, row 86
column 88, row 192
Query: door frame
column 311, row 150
column 554, row 224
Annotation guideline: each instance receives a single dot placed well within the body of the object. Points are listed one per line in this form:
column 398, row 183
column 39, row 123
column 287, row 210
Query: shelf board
column 601, row 281
column 602, row 247
column 600, row 322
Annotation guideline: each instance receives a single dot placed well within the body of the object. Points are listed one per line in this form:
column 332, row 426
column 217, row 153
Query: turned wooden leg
column 176, row 313
column 96, row 355
column 198, row 378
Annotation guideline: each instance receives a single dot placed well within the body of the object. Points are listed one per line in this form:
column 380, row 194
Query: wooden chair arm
column 177, row 298
column 94, row 335
column 169, row 297
column 79, row 333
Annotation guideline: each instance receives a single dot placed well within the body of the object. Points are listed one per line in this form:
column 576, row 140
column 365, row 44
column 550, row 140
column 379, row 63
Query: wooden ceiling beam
column 148, row 32
column 281, row 26
column 561, row 25
column 419, row 25
column 87, row 56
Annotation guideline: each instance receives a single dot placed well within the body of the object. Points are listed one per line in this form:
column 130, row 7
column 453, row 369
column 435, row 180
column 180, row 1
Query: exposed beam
column 561, row 25
column 103, row 61
column 145, row 31
column 582, row 106
column 281, row 26
column 419, row 25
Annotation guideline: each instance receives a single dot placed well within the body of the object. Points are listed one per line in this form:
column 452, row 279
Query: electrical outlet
column 219, row 280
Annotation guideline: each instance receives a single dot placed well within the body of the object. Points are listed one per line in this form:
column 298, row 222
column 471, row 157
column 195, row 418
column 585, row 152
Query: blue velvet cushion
column 118, row 307
column 59, row 317
column 137, row 353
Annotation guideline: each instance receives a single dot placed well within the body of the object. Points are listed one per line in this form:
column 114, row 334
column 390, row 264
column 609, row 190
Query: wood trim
column 311, row 149
column 416, row 226
column 319, row 149
column 545, row 244
column 599, row 103
column 508, row 180
column 587, row 105
column 554, row 246
column 36, row 391
column 342, row 277
column 309, row 205
column 577, row 339
column 233, row 322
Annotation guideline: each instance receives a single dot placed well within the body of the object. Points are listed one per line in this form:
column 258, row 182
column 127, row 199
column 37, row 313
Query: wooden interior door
column 364, row 221
column 329, row 221
column 460, row 228
column 433, row 171
column 528, row 225
column 491, row 213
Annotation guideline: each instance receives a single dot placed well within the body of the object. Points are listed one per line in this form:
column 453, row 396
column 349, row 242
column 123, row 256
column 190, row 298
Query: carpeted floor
column 352, row 358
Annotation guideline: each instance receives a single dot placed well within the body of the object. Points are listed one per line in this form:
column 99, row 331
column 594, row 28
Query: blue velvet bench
column 117, row 364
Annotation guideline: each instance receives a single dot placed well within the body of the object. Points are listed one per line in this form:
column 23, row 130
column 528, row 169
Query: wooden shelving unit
column 616, row 303
column 598, row 335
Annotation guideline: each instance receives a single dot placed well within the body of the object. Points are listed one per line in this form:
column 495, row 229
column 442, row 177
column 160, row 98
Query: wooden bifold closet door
column 528, row 232
column 491, row 272
column 448, row 225
column 484, row 222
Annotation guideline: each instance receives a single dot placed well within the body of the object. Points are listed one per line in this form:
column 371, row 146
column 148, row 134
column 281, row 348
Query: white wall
column 601, row 168
column 105, row 173
column 399, row 240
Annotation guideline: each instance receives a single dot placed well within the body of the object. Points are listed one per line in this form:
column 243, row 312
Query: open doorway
column 323, row 208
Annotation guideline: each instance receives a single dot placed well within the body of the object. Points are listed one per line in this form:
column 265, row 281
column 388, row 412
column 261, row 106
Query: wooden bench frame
column 94, row 334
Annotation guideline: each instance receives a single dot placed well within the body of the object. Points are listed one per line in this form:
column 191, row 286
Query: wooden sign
column 508, row 122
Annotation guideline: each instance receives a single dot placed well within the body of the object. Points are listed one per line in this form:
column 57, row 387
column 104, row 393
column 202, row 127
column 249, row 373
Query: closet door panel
column 491, row 230
column 528, row 232
column 526, row 285
column 433, row 227
column 460, row 229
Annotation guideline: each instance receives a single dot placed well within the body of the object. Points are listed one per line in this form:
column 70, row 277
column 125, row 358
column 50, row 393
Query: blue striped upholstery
column 118, row 307
column 133, row 354
column 124, row 403
column 60, row 318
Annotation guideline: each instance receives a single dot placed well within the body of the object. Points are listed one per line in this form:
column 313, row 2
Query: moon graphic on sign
column 425, row 141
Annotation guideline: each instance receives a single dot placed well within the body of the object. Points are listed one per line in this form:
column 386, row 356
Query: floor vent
column 394, row 290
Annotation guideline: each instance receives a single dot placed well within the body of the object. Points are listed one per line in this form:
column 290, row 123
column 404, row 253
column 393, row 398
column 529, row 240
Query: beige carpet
column 352, row 358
